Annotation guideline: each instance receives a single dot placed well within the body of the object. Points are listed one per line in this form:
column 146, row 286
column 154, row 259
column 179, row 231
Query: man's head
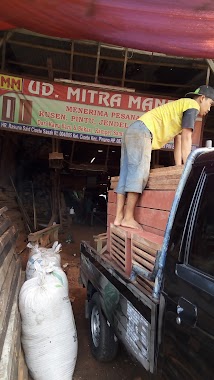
column 204, row 96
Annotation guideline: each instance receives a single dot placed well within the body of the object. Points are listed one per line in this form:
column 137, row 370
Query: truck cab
column 170, row 331
column 186, row 315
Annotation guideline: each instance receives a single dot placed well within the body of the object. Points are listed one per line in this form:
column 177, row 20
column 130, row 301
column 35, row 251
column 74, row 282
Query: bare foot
column 117, row 221
column 131, row 224
column 118, row 218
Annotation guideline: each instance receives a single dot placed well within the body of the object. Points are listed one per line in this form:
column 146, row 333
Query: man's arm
column 186, row 143
column 188, row 123
column 177, row 150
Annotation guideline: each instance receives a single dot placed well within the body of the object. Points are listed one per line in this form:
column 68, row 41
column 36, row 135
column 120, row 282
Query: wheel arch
column 91, row 290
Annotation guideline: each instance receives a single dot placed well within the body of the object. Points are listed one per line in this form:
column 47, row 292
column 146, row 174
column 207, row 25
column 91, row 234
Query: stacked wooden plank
column 152, row 212
column 11, row 361
column 8, row 199
column 159, row 178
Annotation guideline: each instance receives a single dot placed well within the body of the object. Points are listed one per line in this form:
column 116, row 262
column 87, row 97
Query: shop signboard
column 73, row 112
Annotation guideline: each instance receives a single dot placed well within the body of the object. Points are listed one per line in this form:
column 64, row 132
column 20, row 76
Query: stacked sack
column 49, row 335
column 43, row 256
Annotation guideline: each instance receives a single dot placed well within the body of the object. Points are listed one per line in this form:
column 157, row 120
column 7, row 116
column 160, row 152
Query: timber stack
column 128, row 247
column 8, row 199
column 12, row 365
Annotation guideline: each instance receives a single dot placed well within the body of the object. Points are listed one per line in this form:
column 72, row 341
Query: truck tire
column 103, row 342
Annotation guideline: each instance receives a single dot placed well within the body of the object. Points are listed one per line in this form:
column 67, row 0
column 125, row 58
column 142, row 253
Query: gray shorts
column 135, row 161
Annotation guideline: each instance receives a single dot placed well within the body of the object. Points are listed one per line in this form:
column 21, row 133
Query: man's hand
column 186, row 143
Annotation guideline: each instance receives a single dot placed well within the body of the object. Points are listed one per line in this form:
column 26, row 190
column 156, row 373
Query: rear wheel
column 103, row 342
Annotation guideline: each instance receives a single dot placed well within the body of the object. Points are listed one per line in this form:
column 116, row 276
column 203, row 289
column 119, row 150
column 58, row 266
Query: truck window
column 201, row 254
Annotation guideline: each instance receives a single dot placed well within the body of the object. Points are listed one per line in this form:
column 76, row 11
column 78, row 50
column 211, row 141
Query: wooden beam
column 97, row 64
column 104, row 45
column 71, row 60
column 104, row 77
column 211, row 64
column 124, row 68
column 4, row 51
column 88, row 167
column 153, row 63
column 50, row 68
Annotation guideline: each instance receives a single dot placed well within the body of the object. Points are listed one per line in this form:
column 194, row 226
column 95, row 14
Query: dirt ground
column 87, row 368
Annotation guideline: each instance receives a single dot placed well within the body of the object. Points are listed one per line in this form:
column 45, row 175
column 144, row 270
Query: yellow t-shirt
column 165, row 122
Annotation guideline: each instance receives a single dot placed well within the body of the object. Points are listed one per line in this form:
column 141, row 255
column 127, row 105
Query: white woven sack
column 43, row 256
column 35, row 248
column 50, row 268
column 49, row 335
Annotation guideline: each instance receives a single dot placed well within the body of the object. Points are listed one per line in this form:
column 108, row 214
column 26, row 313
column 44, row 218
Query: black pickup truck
column 171, row 333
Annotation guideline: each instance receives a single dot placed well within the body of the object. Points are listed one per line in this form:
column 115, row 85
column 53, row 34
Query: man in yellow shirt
column 150, row 132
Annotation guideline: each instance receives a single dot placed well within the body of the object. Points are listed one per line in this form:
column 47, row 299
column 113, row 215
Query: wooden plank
column 175, row 169
column 9, row 290
column 146, row 216
column 168, row 169
column 152, row 217
column 117, row 240
column 100, row 236
column 11, row 344
column 22, row 369
column 148, row 240
column 116, row 250
column 5, row 265
column 113, row 264
column 162, row 186
column 139, row 247
column 142, row 254
column 104, row 248
column 155, row 231
column 3, row 210
column 111, row 209
column 143, row 263
column 5, row 223
column 35, row 236
column 158, row 199
column 119, row 231
column 144, row 286
column 110, row 220
column 6, row 242
column 120, row 246
column 112, row 196
column 157, row 185
column 118, row 261
column 159, row 181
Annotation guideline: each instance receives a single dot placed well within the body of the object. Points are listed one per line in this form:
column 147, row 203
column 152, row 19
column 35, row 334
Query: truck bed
column 130, row 311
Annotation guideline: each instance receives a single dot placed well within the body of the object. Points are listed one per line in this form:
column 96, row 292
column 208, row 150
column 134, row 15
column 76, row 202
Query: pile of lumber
column 130, row 248
column 12, row 365
column 8, row 199
column 165, row 178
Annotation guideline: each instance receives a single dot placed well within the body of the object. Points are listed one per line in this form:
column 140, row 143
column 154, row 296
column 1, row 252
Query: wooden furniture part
column 144, row 249
column 11, row 279
column 45, row 237
column 101, row 242
column 145, row 286
column 120, row 248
